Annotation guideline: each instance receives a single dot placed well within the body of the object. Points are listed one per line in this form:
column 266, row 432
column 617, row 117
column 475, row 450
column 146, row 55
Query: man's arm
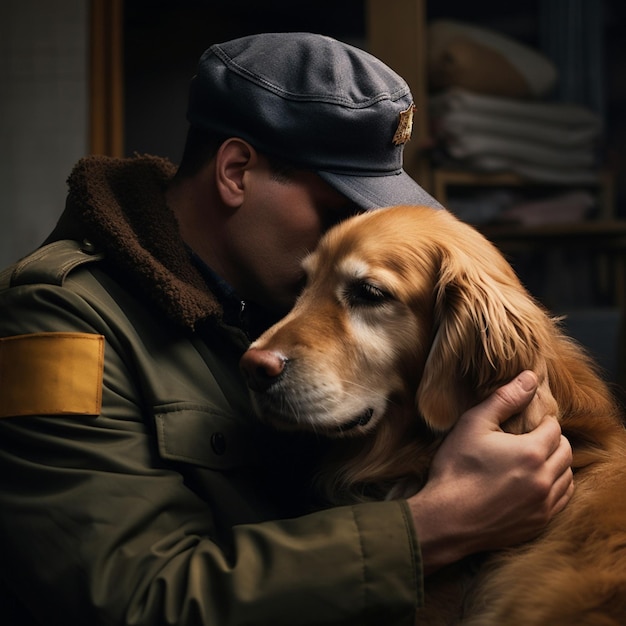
column 99, row 527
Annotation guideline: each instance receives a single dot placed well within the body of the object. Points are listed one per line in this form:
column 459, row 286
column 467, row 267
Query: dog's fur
column 408, row 307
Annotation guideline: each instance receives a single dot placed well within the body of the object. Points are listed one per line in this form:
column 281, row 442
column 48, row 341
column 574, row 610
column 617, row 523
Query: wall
column 43, row 115
column 164, row 40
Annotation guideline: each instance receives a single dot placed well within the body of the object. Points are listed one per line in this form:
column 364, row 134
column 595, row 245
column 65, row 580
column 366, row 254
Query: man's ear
column 233, row 158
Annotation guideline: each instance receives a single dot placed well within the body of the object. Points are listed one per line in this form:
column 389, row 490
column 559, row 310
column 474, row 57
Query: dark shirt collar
column 250, row 317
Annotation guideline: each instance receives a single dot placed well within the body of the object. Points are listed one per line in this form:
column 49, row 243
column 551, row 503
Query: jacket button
column 218, row 443
column 87, row 247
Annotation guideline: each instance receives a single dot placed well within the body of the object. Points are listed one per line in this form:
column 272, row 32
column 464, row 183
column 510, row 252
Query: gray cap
column 317, row 103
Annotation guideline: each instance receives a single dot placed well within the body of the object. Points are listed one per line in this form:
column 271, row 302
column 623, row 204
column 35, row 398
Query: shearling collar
column 119, row 205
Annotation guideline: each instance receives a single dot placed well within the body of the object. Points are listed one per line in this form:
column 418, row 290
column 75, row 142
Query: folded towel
column 543, row 141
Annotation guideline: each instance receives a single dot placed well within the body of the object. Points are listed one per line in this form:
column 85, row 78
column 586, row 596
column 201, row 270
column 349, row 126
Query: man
column 136, row 485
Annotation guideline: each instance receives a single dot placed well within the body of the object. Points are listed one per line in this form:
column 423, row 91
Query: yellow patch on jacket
column 51, row 374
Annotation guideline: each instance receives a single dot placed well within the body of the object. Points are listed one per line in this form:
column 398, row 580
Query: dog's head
column 403, row 307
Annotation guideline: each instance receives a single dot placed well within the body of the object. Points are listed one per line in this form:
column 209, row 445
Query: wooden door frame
column 106, row 77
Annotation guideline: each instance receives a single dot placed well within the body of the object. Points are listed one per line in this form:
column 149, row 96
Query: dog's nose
column 262, row 368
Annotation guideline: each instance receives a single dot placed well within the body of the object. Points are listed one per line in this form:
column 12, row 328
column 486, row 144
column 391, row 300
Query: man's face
column 279, row 223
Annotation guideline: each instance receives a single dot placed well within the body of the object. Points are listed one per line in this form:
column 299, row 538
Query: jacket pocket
column 202, row 436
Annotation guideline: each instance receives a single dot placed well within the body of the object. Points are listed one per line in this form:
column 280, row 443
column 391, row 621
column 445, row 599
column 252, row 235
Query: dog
column 408, row 318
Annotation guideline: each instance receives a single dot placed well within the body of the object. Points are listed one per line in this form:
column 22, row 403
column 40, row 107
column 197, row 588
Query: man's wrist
column 440, row 543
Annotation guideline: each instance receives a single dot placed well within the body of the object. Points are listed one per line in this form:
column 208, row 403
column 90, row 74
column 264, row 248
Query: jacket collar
column 119, row 205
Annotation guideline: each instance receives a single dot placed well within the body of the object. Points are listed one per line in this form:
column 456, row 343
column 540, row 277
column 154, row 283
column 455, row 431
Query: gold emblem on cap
column 405, row 126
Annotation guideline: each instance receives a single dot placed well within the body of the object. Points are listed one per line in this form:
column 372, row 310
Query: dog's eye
column 363, row 293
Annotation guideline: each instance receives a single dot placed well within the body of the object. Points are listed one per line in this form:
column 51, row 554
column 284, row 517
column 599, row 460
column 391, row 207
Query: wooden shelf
column 609, row 233
column 444, row 178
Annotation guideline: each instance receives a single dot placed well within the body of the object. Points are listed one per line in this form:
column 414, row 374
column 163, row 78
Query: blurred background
column 520, row 125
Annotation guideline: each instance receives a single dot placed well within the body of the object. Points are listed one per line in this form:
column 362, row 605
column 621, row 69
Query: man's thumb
column 515, row 396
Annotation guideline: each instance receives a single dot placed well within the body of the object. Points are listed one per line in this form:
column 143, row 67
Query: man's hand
column 489, row 489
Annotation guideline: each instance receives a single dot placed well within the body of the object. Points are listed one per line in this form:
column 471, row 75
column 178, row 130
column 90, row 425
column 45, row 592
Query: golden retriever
column 408, row 318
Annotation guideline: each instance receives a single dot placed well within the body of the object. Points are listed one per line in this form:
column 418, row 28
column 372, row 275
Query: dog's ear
column 487, row 330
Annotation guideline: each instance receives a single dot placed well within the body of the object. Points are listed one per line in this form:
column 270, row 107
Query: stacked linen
column 490, row 111
column 542, row 141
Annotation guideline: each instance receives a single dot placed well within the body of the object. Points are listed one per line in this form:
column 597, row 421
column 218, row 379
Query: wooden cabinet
column 397, row 33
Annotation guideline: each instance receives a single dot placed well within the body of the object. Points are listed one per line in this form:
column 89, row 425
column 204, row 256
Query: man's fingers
column 547, row 437
column 559, row 463
column 557, row 479
column 564, row 492
column 516, row 395
column 508, row 400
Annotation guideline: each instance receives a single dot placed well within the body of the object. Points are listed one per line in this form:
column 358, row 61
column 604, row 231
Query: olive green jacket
column 136, row 485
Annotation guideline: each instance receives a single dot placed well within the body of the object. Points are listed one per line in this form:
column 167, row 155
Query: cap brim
column 375, row 192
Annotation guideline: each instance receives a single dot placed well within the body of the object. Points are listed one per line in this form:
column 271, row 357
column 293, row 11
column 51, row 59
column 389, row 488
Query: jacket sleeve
column 96, row 529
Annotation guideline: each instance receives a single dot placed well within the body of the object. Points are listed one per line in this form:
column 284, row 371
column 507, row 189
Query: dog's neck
column 390, row 462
